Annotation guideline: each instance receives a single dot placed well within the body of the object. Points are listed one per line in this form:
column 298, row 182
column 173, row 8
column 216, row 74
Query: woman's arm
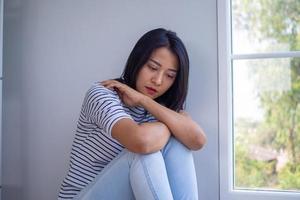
column 141, row 138
column 103, row 107
column 180, row 124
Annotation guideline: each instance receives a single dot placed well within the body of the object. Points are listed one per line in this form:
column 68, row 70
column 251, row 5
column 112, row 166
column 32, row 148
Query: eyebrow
column 174, row 70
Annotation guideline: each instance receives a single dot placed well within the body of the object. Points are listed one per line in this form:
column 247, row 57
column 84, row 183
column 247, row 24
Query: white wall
column 54, row 50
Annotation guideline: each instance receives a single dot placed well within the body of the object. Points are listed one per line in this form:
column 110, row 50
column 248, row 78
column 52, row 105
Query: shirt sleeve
column 103, row 107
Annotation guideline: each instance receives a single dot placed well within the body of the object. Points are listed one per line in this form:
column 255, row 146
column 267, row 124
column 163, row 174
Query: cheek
column 168, row 84
column 144, row 77
column 140, row 81
column 138, row 84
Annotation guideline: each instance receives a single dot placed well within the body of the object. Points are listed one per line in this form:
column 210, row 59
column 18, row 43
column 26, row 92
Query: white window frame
column 225, row 57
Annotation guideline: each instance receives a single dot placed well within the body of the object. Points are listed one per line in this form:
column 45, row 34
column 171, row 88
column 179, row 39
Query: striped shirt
column 93, row 146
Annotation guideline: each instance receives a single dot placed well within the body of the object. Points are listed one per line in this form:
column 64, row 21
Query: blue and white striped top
column 93, row 146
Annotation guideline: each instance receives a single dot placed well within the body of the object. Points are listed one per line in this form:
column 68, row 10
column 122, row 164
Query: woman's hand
column 128, row 95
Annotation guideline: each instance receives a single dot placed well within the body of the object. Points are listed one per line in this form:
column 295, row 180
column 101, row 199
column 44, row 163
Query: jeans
column 164, row 175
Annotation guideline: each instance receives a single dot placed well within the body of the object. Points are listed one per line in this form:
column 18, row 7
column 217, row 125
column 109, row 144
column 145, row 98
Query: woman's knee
column 174, row 143
column 149, row 157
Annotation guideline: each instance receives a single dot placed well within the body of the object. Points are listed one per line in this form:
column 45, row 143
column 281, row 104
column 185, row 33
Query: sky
column 278, row 77
column 246, row 105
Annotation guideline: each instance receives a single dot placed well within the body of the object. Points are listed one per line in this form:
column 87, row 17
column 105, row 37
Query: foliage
column 289, row 178
column 251, row 173
column 276, row 25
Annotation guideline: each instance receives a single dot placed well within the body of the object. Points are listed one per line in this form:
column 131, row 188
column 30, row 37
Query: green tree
column 278, row 22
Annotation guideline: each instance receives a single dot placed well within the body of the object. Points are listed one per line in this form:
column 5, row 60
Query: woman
column 133, row 139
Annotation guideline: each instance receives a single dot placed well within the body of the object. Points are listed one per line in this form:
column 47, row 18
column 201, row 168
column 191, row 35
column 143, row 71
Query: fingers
column 121, row 88
column 128, row 95
column 112, row 84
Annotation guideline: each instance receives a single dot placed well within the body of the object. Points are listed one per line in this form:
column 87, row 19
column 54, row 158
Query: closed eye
column 153, row 68
column 171, row 76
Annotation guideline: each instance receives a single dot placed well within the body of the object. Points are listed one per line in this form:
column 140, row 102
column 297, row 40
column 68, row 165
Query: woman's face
column 158, row 74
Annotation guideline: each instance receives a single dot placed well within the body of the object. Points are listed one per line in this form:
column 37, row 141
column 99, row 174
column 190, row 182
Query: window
column 259, row 99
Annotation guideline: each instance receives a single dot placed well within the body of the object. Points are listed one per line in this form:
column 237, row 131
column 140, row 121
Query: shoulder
column 98, row 92
column 97, row 87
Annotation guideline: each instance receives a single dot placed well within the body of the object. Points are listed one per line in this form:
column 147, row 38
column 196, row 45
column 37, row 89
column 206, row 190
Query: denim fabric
column 164, row 175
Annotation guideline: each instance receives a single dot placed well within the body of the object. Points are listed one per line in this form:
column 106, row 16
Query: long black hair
column 174, row 97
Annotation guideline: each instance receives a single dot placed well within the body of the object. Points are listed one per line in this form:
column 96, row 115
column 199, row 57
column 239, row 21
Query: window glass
column 266, row 123
column 265, row 26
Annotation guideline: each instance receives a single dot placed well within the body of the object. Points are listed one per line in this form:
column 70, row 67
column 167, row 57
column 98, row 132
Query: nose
column 157, row 79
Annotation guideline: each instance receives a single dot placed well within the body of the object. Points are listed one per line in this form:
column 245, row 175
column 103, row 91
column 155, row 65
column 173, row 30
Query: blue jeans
column 163, row 175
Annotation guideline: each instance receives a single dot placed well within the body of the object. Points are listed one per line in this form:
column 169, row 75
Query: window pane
column 265, row 26
column 266, row 110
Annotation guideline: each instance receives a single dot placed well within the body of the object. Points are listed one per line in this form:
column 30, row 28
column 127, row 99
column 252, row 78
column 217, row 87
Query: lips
column 151, row 90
